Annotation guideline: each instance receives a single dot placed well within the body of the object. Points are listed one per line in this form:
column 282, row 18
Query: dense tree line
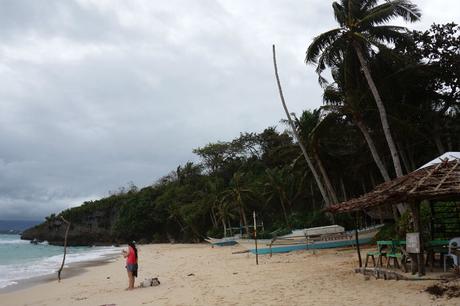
column 391, row 104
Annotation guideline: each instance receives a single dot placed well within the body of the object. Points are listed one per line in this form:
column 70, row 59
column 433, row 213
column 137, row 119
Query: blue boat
column 327, row 241
column 309, row 246
column 228, row 241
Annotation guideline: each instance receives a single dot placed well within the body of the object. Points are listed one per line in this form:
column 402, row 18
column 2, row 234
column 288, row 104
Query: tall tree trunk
column 224, row 226
column 373, row 149
column 229, row 226
column 371, row 175
column 449, row 143
column 213, row 217
column 382, row 111
column 291, row 123
column 437, row 138
column 243, row 216
column 410, row 154
column 283, row 207
column 344, row 191
column 312, row 192
column 327, row 181
column 404, row 158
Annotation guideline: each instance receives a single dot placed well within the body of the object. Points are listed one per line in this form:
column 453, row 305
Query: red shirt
column 131, row 259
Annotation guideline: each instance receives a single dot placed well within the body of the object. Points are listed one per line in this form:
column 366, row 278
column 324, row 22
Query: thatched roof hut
column 434, row 182
column 437, row 180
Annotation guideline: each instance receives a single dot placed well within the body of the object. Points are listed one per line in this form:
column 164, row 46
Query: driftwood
column 65, row 247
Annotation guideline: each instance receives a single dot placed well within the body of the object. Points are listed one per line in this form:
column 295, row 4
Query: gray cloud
column 97, row 93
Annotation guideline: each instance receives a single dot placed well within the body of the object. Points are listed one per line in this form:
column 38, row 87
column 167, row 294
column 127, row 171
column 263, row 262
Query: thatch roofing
column 438, row 181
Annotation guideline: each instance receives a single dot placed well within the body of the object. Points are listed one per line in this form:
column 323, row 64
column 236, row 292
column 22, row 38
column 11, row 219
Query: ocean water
column 20, row 259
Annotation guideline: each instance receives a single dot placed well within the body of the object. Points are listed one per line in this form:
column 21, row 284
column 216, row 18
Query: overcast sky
column 97, row 93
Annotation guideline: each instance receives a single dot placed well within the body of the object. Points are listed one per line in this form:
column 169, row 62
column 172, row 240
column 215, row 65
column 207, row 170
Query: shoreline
column 196, row 274
column 70, row 270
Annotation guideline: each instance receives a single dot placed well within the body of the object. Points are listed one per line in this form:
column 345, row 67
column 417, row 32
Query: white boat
column 317, row 238
column 226, row 241
column 316, row 231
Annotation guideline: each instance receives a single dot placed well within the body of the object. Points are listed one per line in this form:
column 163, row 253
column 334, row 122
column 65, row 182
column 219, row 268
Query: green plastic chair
column 380, row 253
column 396, row 253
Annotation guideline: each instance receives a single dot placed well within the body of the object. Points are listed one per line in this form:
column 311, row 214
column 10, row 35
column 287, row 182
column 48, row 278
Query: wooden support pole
column 357, row 240
column 415, row 210
column 255, row 236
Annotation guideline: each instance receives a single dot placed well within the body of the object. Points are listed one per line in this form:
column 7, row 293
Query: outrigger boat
column 324, row 237
column 227, row 241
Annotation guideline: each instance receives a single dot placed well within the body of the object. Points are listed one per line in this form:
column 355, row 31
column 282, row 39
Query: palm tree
column 225, row 213
column 310, row 125
column 360, row 32
column 297, row 137
column 236, row 195
column 275, row 187
column 335, row 100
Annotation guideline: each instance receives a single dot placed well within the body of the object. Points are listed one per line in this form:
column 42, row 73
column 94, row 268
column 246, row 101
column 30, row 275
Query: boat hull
column 325, row 242
column 225, row 243
column 310, row 246
column 229, row 241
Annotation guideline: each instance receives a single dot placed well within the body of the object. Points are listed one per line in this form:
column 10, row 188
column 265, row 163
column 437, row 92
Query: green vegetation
column 382, row 76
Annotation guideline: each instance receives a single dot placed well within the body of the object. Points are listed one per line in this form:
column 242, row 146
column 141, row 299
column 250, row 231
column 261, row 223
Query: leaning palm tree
column 362, row 33
column 316, row 176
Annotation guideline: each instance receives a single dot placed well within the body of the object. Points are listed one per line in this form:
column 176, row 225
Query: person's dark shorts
column 132, row 268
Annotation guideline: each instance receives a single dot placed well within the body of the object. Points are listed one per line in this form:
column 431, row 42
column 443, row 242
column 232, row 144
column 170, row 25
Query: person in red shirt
column 131, row 264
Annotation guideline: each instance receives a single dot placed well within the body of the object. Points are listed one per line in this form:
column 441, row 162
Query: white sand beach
column 196, row 274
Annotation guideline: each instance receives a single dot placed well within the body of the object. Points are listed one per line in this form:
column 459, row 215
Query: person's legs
column 130, row 280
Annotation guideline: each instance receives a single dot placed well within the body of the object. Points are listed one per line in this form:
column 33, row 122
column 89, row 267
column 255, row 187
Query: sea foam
column 26, row 260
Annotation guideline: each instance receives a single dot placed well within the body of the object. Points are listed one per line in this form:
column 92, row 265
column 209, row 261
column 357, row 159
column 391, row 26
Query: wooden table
column 433, row 247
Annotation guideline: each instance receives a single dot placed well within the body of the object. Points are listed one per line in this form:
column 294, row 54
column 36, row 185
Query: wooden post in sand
column 415, row 210
column 65, row 247
column 255, row 236
column 357, row 240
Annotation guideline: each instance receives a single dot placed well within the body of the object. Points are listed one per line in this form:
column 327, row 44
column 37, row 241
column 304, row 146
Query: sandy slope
column 200, row 275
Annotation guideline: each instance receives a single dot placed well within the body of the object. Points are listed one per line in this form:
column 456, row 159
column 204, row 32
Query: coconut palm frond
column 320, row 43
column 339, row 14
column 366, row 4
column 389, row 34
column 407, row 10
column 332, row 96
column 379, row 14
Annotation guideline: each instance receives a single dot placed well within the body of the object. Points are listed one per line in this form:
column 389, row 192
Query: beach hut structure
column 438, row 180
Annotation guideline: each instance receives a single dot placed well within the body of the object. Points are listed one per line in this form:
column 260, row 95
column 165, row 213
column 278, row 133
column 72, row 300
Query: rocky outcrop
column 95, row 228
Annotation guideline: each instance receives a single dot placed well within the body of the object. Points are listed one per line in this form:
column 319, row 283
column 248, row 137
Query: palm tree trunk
column 304, row 151
column 382, row 111
column 213, row 217
column 327, row 181
column 224, row 226
column 243, row 216
column 344, row 191
column 283, row 207
column 312, row 195
column 437, row 137
column 404, row 159
column 373, row 149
